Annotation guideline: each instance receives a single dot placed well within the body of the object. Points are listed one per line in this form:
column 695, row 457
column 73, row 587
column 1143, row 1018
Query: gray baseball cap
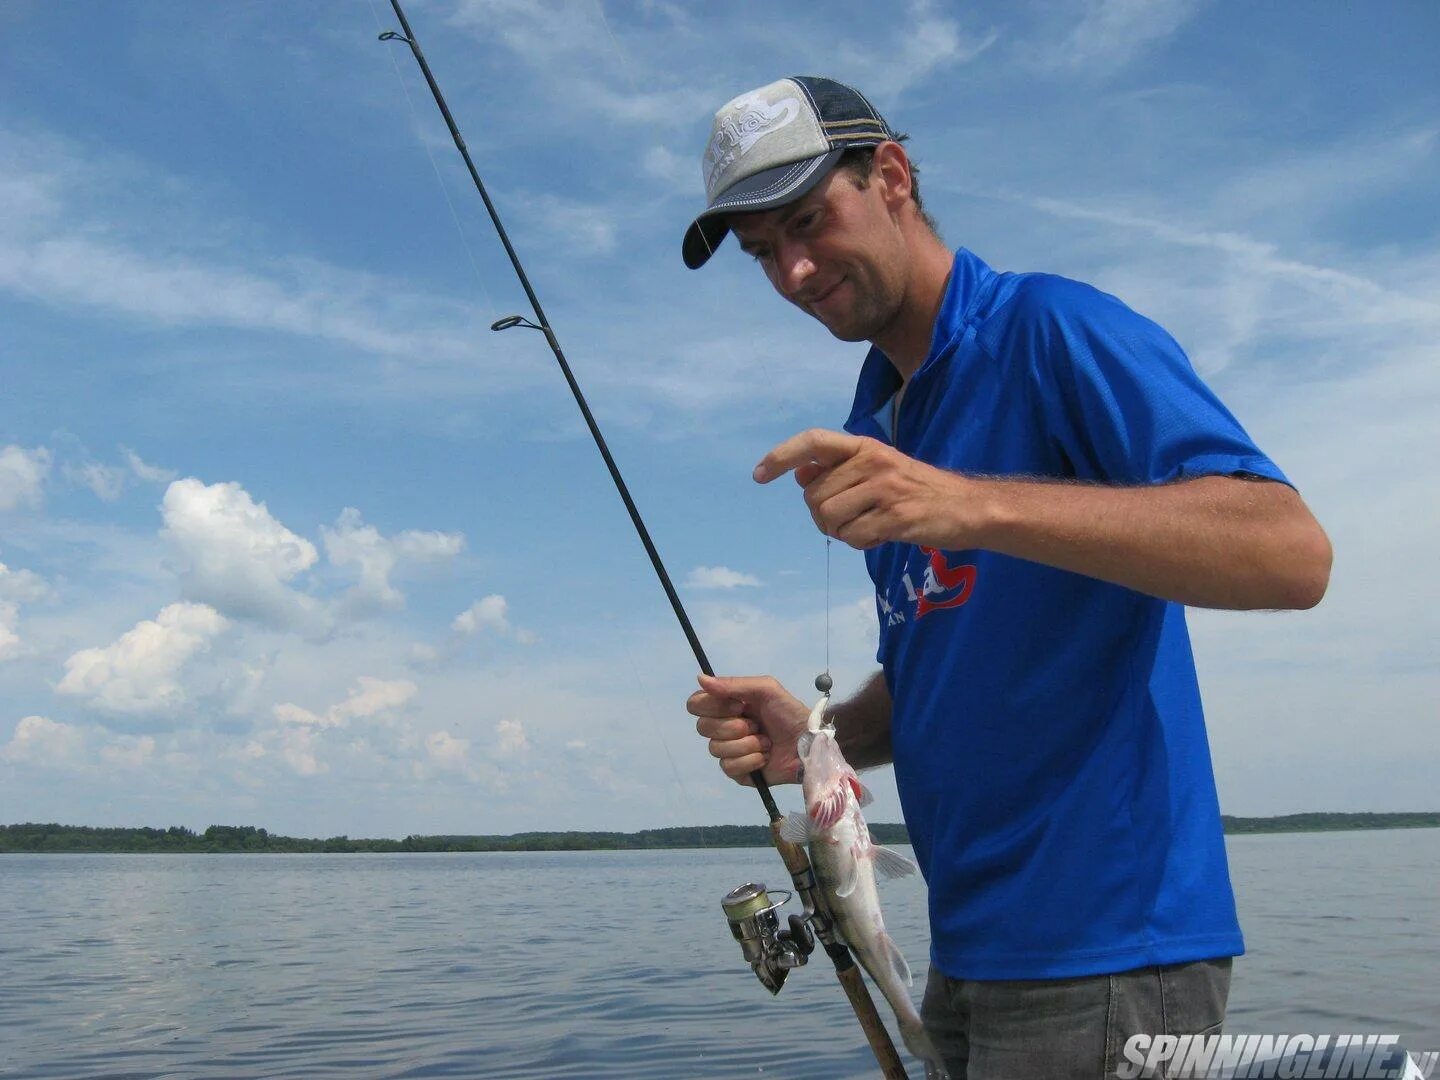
column 772, row 145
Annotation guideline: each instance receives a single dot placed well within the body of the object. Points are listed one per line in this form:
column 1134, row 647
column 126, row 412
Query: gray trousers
column 1067, row 1029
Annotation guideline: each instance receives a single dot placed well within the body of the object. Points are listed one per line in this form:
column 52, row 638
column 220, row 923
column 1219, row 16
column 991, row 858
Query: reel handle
column 801, row 935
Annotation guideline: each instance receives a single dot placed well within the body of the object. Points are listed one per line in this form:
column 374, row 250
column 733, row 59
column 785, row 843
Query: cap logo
column 752, row 119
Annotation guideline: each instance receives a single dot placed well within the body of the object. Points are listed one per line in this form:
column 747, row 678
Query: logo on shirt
column 941, row 586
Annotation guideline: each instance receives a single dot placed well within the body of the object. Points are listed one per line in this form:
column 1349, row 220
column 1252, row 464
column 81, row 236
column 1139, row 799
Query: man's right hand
column 752, row 722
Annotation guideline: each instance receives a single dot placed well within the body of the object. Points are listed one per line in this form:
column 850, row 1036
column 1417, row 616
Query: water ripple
column 538, row 966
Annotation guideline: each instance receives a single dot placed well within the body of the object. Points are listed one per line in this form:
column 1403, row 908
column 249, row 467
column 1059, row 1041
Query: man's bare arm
column 862, row 724
column 1212, row 541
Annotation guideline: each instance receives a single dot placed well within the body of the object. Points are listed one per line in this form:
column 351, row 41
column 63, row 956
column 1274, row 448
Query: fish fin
column 852, row 879
column 862, row 793
column 891, row 864
column 827, row 811
column 795, row 827
column 897, row 959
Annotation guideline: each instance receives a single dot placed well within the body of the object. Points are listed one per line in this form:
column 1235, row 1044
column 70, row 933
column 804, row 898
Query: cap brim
column 763, row 191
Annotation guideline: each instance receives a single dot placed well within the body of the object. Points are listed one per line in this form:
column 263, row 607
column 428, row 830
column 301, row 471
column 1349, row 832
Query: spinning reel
column 772, row 952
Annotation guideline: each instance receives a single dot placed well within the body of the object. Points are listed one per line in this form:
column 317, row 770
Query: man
column 1039, row 482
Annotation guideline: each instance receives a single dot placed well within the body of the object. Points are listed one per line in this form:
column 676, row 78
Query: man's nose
column 793, row 268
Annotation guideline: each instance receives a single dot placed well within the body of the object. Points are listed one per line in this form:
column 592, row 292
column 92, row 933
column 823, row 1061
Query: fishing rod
column 772, row 951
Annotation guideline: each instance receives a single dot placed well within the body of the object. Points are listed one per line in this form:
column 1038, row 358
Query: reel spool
column 771, row 951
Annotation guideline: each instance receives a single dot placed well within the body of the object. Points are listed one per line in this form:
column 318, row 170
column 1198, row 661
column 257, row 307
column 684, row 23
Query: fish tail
column 919, row 1044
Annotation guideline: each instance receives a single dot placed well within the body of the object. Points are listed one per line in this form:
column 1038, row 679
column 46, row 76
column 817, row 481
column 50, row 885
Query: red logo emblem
column 940, row 579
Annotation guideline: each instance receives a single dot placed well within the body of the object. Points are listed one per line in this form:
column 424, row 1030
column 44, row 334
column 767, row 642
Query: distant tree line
column 1328, row 822
column 248, row 838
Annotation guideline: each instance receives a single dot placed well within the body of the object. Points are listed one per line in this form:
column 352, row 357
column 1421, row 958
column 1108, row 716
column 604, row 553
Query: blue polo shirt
column 1049, row 744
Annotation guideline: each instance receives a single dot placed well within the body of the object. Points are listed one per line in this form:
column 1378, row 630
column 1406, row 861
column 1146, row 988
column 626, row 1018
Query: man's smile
column 821, row 297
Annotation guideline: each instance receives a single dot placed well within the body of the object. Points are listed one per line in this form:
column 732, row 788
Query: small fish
column 845, row 860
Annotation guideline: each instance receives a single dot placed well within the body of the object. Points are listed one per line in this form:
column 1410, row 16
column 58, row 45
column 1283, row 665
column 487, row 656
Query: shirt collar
column 879, row 380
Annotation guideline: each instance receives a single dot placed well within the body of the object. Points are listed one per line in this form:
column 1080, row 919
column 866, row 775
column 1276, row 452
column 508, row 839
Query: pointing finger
column 817, row 445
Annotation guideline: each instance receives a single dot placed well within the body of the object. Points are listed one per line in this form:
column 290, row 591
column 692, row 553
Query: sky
column 290, row 539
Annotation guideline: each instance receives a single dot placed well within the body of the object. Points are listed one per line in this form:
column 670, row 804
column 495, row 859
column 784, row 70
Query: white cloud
column 237, row 557
column 489, row 613
column 368, row 699
column 289, row 713
column 16, row 587
column 22, row 475
column 129, row 751
column 139, row 672
column 1114, row 32
column 583, row 228
column 106, row 481
column 22, row 585
column 510, row 738
column 920, row 45
column 677, row 170
column 375, row 557
column 375, row 697
column 301, row 739
column 601, row 74
column 446, row 751
column 39, row 740
column 1231, row 297
column 299, row 749
column 172, row 288
column 720, row 577
column 152, row 474
column 9, row 620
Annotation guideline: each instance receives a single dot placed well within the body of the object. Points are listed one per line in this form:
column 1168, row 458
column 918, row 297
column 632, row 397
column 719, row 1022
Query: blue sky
column 289, row 538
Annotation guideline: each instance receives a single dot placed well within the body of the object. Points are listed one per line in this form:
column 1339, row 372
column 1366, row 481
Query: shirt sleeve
column 1118, row 395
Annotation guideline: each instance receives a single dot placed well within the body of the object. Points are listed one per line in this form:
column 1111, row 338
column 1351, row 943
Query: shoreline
column 50, row 838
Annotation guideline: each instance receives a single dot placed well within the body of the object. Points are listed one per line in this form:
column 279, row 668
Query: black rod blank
column 543, row 326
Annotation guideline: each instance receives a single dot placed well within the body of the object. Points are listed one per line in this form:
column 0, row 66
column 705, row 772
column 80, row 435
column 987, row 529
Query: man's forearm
column 862, row 724
column 1213, row 541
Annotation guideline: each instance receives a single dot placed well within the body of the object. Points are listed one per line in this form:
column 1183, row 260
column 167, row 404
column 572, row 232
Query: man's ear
column 891, row 167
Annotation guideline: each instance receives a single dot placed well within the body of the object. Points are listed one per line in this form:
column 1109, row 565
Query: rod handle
column 891, row 1067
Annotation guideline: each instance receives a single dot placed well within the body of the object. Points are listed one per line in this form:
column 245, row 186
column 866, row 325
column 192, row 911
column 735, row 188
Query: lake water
column 594, row 964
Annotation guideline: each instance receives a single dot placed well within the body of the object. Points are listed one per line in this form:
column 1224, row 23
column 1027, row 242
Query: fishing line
column 828, row 542
column 655, row 724
column 615, row 43
column 439, row 177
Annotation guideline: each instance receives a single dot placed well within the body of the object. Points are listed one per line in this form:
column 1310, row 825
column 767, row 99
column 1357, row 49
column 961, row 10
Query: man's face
column 837, row 254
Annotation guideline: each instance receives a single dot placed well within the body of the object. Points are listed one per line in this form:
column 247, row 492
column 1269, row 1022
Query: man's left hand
column 865, row 493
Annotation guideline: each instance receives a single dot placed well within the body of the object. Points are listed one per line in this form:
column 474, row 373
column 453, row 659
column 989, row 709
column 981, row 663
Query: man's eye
column 804, row 221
